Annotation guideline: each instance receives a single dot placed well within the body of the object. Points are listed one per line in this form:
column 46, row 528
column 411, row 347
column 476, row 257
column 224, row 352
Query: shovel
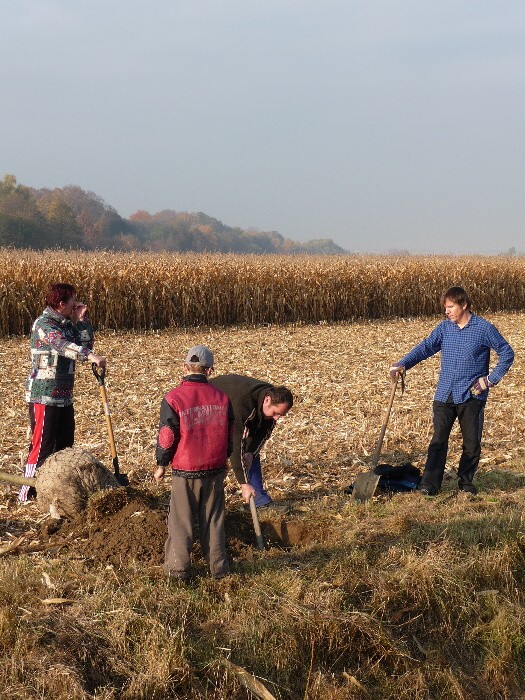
column 100, row 374
column 256, row 524
column 17, row 479
column 253, row 510
column 366, row 483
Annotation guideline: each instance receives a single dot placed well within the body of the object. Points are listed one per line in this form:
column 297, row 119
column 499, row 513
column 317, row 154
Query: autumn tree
column 61, row 219
column 22, row 225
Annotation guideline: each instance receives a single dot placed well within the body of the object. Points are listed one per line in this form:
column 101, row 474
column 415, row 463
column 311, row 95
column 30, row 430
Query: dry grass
column 406, row 598
column 154, row 291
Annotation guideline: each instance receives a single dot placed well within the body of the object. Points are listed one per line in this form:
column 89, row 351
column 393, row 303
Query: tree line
column 72, row 218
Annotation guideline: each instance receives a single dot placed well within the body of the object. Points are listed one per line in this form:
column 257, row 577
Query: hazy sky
column 383, row 125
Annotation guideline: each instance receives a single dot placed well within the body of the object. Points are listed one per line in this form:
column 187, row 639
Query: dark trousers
column 200, row 499
column 470, row 417
column 52, row 429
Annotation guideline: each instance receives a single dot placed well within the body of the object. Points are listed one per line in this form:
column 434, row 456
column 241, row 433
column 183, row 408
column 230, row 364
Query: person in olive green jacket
column 257, row 406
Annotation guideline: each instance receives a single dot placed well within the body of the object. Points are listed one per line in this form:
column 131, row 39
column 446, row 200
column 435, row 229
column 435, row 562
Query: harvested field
column 338, row 374
column 403, row 597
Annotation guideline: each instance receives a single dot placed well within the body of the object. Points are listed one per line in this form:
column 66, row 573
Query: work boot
column 426, row 490
column 468, row 487
column 179, row 576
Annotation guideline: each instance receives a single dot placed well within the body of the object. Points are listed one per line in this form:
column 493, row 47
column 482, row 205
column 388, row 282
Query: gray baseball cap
column 200, row 354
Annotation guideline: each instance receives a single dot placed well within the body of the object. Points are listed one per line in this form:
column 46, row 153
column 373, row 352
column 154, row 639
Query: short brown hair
column 456, row 294
column 280, row 394
column 57, row 293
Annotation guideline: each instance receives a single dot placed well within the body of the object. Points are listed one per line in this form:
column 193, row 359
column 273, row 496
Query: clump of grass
column 423, row 613
column 502, row 479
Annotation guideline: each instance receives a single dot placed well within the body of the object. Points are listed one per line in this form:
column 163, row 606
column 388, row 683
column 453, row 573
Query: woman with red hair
column 59, row 337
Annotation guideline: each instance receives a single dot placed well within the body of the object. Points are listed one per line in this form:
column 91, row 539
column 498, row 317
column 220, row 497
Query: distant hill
column 322, row 246
column 70, row 217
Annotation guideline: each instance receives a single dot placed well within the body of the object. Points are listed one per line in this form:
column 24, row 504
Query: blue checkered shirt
column 465, row 356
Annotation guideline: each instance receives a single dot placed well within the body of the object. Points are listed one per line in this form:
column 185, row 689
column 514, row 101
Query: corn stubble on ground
column 402, row 597
column 324, row 441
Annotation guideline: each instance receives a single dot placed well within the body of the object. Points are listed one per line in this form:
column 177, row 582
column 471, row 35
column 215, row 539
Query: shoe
column 259, row 507
column 425, row 491
column 468, row 488
column 178, row 577
column 27, row 495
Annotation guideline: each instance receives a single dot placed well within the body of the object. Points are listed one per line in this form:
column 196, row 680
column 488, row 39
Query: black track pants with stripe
column 52, row 429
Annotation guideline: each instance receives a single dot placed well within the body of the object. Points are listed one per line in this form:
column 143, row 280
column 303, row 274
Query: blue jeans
column 262, row 498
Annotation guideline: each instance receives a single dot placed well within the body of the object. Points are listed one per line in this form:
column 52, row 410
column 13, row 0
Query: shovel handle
column 256, row 524
column 100, row 374
column 16, row 479
column 107, row 416
column 253, row 511
column 377, row 451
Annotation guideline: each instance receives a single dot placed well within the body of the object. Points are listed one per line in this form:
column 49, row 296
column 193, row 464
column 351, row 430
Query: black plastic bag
column 394, row 479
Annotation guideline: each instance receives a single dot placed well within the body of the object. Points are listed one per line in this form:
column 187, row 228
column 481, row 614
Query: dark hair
column 280, row 394
column 457, row 295
column 57, row 293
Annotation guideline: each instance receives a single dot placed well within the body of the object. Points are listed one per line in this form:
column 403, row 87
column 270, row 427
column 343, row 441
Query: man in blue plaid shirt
column 465, row 341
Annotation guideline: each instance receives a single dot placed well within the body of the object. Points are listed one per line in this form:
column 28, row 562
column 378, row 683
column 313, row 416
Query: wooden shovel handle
column 16, row 479
column 256, row 524
column 100, row 374
column 107, row 416
column 377, row 451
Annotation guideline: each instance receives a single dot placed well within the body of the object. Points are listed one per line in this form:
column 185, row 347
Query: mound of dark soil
column 118, row 527
column 127, row 525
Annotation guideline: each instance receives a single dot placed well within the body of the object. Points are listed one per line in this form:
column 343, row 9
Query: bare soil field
column 338, row 374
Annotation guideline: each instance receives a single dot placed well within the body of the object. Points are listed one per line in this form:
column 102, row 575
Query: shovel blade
column 365, row 486
column 122, row 479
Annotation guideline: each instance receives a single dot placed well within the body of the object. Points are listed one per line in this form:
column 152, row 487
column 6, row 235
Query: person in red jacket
column 195, row 437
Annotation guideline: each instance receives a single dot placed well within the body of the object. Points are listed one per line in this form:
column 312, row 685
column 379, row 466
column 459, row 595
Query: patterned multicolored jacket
column 56, row 342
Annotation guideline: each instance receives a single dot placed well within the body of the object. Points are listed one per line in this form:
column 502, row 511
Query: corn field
column 150, row 291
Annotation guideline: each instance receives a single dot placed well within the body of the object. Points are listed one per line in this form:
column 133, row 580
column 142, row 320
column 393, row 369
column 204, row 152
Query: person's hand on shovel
column 247, row 492
column 98, row 360
column 396, row 371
